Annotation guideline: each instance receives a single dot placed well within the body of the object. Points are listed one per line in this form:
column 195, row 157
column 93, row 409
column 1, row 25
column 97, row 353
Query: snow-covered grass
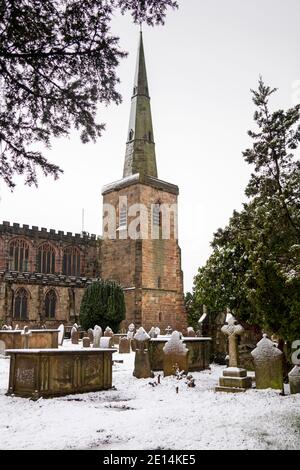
column 138, row 416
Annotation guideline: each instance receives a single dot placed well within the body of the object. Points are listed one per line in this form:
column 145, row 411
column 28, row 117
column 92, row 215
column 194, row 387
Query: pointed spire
column 140, row 148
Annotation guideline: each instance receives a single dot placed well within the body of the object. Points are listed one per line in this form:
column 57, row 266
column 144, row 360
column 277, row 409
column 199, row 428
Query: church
column 43, row 273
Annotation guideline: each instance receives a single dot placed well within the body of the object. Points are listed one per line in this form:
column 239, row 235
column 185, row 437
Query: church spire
column 140, row 148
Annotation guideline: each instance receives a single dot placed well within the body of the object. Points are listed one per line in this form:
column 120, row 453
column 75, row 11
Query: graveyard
column 141, row 409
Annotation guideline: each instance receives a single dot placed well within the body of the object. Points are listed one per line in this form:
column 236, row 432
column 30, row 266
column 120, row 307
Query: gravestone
column 86, row 342
column 108, row 332
column 175, row 355
column 168, row 331
column 26, row 333
column 74, row 335
column 234, row 378
column 124, row 346
column 152, row 333
column 157, row 331
column 61, row 334
column 294, row 380
column 106, row 342
column 268, row 365
column 90, row 334
column 142, row 369
column 97, row 333
column 191, row 332
column 130, row 335
column 16, row 327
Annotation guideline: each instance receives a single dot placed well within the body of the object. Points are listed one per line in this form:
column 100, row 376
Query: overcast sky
column 201, row 67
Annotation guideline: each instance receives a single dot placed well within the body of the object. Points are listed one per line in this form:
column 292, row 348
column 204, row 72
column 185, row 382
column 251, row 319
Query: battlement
column 51, row 234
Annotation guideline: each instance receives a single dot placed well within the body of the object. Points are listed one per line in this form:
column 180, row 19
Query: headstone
column 61, row 334
column 86, row 343
column 202, row 321
column 175, row 355
column 168, row 331
column 90, row 333
column 97, row 335
column 108, row 332
column 26, row 333
column 4, row 327
column 152, row 333
column 142, row 369
column 16, row 327
column 268, row 365
column 124, row 346
column 74, row 335
column 191, row 332
column 234, row 378
column 106, row 342
column 294, row 379
column 157, row 331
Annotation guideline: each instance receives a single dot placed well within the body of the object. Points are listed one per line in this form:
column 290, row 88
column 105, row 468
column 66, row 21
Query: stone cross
column 168, row 331
column 232, row 329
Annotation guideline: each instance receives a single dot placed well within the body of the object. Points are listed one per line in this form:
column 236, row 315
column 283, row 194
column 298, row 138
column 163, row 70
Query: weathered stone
column 124, row 346
column 268, row 363
column 142, row 369
column 234, row 378
column 108, row 332
column 61, row 334
column 90, row 333
column 294, row 379
column 54, row 372
column 152, row 332
column 97, row 335
column 86, row 342
column 106, row 342
column 191, row 332
column 38, row 339
column 74, row 335
column 175, row 355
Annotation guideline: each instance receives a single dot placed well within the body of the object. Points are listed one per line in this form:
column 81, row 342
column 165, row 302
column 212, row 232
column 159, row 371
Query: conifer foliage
column 58, row 61
column 103, row 304
column 255, row 265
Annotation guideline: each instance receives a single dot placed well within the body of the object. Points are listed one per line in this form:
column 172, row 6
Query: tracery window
column 71, row 261
column 18, row 255
column 46, row 259
column 50, row 304
column 21, row 304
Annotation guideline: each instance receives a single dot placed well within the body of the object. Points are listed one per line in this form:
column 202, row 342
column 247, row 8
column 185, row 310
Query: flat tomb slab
column 47, row 373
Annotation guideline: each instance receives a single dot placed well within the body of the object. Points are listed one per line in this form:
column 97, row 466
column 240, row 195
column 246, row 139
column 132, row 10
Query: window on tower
column 50, row 304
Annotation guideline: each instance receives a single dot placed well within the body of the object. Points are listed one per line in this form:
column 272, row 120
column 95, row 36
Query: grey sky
column 201, row 66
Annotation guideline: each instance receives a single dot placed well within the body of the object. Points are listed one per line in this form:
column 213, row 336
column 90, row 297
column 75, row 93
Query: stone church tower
column 143, row 254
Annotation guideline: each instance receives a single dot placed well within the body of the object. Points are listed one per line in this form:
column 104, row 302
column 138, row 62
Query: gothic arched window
column 50, row 303
column 71, row 261
column 18, row 255
column 46, row 259
column 21, row 304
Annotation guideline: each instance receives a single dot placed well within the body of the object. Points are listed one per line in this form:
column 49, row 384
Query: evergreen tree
column 103, row 304
column 255, row 265
column 58, row 61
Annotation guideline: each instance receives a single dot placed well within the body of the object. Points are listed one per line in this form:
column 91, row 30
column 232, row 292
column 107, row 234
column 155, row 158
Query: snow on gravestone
column 268, row 365
column 152, row 333
column 175, row 355
column 124, row 346
column 191, row 332
column 74, row 335
column 106, row 342
column 294, row 380
column 61, row 334
column 142, row 369
column 108, row 332
column 97, row 336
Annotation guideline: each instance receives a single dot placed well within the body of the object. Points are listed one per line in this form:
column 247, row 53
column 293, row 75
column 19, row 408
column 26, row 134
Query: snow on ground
column 138, row 416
